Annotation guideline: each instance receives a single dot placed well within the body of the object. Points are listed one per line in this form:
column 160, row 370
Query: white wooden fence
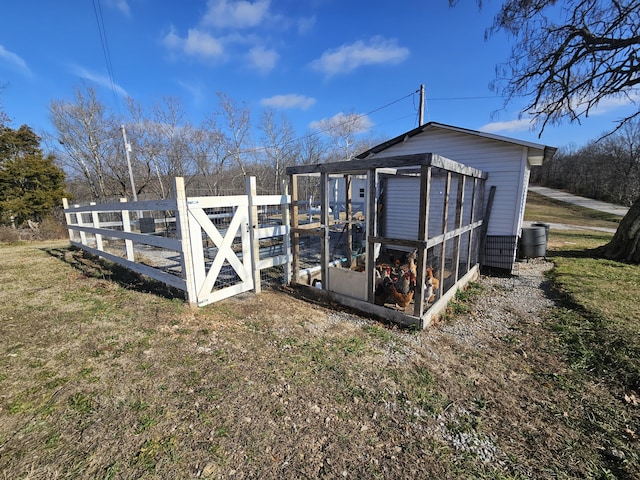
column 212, row 247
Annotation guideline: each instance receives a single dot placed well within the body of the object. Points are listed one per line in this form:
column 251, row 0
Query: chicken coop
column 358, row 257
column 507, row 162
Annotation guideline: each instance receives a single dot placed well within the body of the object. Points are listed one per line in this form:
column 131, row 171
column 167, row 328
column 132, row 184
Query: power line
column 319, row 132
column 97, row 10
column 467, row 98
column 332, row 127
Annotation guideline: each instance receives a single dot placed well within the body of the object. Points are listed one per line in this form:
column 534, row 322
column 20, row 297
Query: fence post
column 182, row 225
column 286, row 224
column 67, row 217
column 372, row 221
column 254, row 241
column 325, row 252
column 294, row 235
column 83, row 235
column 423, row 236
column 96, row 224
column 126, row 227
column 472, row 220
column 462, row 182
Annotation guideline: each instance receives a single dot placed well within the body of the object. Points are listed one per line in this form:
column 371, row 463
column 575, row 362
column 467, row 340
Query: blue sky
column 310, row 59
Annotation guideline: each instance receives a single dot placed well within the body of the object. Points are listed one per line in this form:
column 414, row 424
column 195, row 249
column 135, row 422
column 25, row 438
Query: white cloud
column 102, row 80
column 352, row 123
column 262, row 59
column 288, row 101
column 519, row 125
column 122, row 5
column 235, row 14
column 527, row 123
column 608, row 104
column 14, row 61
column 202, row 44
column 347, row 58
column 196, row 44
column 305, row 24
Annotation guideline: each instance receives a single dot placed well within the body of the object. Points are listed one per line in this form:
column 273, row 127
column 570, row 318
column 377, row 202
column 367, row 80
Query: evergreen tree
column 31, row 185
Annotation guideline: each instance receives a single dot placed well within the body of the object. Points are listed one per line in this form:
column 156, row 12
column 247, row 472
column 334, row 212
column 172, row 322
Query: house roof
column 538, row 153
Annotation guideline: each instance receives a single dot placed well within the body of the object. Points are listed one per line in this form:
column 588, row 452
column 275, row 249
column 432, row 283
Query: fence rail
column 201, row 239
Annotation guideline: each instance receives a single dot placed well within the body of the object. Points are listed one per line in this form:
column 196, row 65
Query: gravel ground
column 495, row 314
column 504, row 302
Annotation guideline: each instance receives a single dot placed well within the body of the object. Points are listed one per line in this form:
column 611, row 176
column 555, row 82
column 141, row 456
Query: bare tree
column 210, row 156
column 144, row 152
column 88, row 136
column 343, row 130
column 311, row 149
column 624, row 168
column 279, row 144
column 237, row 124
column 568, row 58
column 162, row 145
column 608, row 169
column 172, row 135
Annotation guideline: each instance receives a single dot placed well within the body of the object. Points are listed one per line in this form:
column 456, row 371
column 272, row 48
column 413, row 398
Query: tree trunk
column 625, row 244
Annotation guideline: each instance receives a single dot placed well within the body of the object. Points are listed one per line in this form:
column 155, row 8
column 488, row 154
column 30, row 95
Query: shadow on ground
column 96, row 267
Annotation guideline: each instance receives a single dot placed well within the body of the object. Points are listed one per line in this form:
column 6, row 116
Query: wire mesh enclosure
column 211, row 247
column 402, row 251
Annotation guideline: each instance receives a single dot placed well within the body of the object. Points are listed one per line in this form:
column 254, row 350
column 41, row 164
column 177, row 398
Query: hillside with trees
column 607, row 169
column 568, row 58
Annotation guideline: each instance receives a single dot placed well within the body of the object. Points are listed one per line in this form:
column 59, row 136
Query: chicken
column 403, row 281
column 408, row 262
column 400, row 292
column 430, row 285
column 381, row 272
column 396, row 282
column 382, row 277
column 396, row 296
column 434, row 281
column 427, row 293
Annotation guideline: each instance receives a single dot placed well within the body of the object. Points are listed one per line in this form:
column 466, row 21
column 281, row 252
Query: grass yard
column 106, row 375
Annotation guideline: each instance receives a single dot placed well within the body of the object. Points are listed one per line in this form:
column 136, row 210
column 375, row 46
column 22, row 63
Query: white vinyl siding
column 504, row 162
column 401, row 209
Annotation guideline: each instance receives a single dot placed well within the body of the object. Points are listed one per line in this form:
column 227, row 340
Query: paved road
column 582, row 201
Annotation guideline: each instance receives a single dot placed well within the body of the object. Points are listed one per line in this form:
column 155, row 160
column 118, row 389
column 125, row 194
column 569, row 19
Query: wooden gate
column 220, row 247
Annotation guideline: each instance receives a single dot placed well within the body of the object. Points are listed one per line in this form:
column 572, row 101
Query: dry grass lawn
column 105, row 375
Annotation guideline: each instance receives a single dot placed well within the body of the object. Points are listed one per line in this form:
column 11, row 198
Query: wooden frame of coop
column 447, row 239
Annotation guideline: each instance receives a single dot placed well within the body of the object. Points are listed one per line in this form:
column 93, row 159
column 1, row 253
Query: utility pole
column 421, row 117
column 127, row 151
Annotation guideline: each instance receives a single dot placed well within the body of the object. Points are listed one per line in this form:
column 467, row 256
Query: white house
column 507, row 162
